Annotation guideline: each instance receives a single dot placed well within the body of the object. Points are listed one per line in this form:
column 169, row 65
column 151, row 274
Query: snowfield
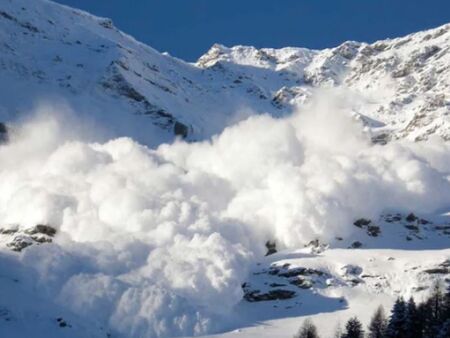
column 139, row 193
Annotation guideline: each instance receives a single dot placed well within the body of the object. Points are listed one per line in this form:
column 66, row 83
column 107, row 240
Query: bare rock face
column 278, row 294
column 18, row 239
column 180, row 129
column 371, row 229
column 170, row 97
column 41, row 229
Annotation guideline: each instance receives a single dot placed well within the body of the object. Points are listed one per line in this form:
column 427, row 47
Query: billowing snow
column 157, row 242
column 158, row 236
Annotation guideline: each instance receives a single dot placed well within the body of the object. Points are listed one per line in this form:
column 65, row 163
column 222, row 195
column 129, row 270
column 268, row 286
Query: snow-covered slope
column 107, row 237
column 50, row 51
column 401, row 86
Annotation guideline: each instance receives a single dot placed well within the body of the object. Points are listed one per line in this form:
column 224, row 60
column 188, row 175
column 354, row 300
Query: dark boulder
column 278, row 294
column 41, row 229
column 361, row 222
column 373, row 230
column 3, row 133
column 180, row 129
column 356, row 245
column 271, row 248
column 411, row 217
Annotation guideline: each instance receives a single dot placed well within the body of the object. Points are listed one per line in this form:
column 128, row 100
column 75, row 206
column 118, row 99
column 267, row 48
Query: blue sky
column 187, row 28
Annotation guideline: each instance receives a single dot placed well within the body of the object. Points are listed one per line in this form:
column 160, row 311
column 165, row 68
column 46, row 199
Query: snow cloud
column 156, row 242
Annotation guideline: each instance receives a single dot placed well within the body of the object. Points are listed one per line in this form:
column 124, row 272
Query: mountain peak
column 404, row 80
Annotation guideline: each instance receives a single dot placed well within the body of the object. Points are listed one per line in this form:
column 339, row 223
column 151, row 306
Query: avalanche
column 138, row 191
column 157, row 242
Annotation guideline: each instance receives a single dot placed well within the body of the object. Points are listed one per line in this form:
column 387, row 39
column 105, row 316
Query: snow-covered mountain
column 49, row 51
column 112, row 227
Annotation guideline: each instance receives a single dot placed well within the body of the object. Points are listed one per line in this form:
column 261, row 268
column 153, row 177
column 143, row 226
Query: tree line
column 429, row 319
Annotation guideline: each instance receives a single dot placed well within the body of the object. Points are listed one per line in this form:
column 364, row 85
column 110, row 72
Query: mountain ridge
column 402, row 87
column 235, row 195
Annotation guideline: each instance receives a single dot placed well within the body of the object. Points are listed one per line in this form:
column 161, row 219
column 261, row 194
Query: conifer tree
column 378, row 324
column 444, row 331
column 433, row 312
column 397, row 322
column 307, row 330
column 413, row 322
column 353, row 329
column 446, row 305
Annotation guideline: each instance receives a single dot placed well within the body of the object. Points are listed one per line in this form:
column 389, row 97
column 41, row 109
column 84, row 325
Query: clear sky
column 187, row 28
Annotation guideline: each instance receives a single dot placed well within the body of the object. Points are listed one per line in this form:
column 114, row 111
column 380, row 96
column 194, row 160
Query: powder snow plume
column 156, row 242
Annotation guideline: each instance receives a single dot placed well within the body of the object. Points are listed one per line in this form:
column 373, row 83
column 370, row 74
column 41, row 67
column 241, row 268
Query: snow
column 388, row 274
column 55, row 53
column 158, row 241
column 161, row 237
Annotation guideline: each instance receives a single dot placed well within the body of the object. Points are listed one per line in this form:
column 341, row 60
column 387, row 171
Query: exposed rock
column 442, row 227
column 300, row 271
column 271, row 247
column 22, row 239
column 314, row 243
column 356, row 245
column 106, row 23
column 23, row 24
column 302, row 283
column 3, row 133
column 439, row 270
column 411, row 217
column 420, row 288
column 6, row 315
column 180, row 129
column 19, row 243
column 373, row 230
column 351, row 274
column 351, row 270
column 443, row 268
column 412, row 227
column 361, row 222
column 278, row 294
column 317, row 247
column 276, row 285
column 381, row 139
column 41, row 229
column 62, row 322
column 8, row 231
column 393, row 218
column 445, row 264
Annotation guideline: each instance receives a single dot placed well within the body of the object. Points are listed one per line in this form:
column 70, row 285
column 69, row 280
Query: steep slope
column 51, row 51
column 107, row 237
column 400, row 86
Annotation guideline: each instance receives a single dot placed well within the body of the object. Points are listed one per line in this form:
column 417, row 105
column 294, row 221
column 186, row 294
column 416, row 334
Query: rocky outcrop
column 17, row 238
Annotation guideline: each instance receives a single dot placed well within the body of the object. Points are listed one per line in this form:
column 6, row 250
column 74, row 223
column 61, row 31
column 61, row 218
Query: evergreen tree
column 444, row 331
column 446, row 305
column 433, row 312
column 353, row 329
column 307, row 330
column 378, row 324
column 413, row 322
column 397, row 322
